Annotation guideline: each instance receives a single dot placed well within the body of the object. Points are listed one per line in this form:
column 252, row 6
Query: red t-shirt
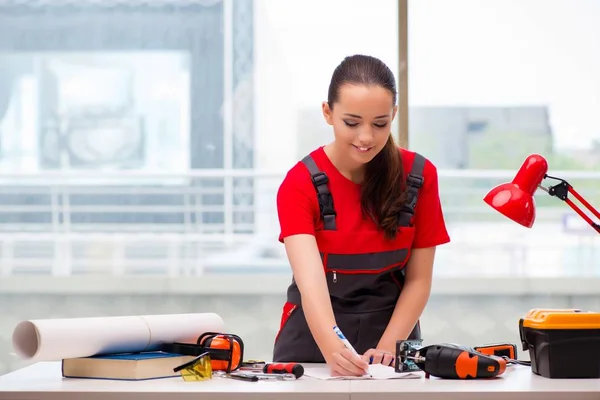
column 298, row 209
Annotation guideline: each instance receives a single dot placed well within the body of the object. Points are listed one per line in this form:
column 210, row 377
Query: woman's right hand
column 344, row 362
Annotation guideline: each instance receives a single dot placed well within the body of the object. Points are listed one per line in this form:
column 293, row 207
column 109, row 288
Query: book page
column 376, row 372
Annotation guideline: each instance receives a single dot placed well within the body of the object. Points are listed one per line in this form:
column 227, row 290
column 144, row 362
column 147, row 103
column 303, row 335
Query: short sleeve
column 297, row 205
column 430, row 226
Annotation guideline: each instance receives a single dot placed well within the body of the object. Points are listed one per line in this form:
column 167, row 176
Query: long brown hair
column 382, row 191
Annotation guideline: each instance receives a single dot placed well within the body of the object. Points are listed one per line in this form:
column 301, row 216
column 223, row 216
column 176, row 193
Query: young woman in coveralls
column 360, row 219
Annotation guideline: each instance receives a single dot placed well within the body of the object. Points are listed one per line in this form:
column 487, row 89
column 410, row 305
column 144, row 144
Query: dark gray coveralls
column 365, row 274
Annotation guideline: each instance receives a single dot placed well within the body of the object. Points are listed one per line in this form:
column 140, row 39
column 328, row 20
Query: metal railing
column 218, row 221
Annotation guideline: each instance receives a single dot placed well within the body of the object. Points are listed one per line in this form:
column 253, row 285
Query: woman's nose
column 365, row 137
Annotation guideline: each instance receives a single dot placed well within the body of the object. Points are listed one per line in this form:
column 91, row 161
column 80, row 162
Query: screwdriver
column 284, row 368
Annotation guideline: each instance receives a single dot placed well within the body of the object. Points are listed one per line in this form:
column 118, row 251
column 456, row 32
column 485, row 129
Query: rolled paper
column 57, row 339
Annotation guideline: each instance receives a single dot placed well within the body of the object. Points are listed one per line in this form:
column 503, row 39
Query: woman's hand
column 378, row 356
column 345, row 363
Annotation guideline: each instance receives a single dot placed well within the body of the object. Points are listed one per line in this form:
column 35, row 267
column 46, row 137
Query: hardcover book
column 124, row 366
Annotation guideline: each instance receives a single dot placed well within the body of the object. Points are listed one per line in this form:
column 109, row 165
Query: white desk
column 43, row 381
column 518, row 382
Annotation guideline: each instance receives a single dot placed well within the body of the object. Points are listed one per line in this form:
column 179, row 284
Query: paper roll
column 57, row 339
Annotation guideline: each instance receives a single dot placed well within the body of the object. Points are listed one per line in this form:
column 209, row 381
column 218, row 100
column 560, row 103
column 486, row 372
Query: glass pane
column 108, row 110
column 491, row 83
column 125, row 121
column 298, row 46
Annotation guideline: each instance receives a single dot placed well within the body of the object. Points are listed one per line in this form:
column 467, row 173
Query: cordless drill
column 449, row 361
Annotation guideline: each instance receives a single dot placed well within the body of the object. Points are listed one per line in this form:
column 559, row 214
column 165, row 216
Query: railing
column 223, row 221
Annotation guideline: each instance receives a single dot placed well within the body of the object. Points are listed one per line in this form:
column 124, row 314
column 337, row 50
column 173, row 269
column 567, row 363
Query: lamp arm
column 562, row 189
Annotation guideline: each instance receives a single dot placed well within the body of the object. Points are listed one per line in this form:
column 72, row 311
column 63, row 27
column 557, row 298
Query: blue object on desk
column 135, row 356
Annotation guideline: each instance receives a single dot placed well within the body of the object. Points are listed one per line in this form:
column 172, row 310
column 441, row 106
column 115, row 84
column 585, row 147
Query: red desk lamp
column 515, row 199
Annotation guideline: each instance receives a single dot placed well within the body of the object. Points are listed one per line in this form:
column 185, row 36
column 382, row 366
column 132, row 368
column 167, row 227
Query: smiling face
column 361, row 119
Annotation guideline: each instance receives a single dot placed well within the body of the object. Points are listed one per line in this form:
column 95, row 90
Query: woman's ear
column 394, row 112
column 327, row 113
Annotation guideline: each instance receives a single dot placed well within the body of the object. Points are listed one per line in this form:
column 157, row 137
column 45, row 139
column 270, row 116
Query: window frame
column 402, row 115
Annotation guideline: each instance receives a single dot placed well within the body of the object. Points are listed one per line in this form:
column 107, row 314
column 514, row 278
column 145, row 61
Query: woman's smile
column 362, row 149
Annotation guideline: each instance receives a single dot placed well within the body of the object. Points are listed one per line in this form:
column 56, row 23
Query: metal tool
column 263, row 376
column 407, row 347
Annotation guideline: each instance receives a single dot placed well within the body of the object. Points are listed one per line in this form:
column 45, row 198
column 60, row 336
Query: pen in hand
column 346, row 343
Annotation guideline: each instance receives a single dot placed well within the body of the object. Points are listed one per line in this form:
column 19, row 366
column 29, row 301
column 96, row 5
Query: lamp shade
column 515, row 199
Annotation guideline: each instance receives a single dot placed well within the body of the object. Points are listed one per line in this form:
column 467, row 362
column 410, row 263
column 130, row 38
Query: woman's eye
column 381, row 125
column 351, row 124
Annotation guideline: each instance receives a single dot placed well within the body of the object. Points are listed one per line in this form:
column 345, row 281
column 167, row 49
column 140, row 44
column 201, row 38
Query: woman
column 360, row 219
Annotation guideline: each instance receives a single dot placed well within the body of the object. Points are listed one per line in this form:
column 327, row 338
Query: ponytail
column 382, row 192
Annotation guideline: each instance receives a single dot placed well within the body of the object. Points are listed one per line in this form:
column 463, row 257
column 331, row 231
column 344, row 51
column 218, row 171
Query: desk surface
column 44, row 381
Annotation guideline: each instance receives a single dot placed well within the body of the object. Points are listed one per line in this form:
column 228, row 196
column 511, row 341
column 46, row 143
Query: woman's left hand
column 378, row 356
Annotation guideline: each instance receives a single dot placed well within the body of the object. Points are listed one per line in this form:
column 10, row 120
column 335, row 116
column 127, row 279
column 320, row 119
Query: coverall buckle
column 414, row 180
column 320, row 178
column 326, row 204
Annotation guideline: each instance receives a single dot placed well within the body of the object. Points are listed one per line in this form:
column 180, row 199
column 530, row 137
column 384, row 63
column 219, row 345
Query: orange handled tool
column 288, row 368
column 499, row 349
column 451, row 361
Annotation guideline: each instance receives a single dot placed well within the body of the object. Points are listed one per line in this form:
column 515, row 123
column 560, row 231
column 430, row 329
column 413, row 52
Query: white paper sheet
column 56, row 339
column 376, row 372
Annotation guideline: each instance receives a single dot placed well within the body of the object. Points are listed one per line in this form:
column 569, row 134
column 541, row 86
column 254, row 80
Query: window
column 142, row 144
column 490, row 83
column 123, row 120
column 111, row 115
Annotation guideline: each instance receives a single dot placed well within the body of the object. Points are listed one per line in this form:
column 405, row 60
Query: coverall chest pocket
column 355, row 261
